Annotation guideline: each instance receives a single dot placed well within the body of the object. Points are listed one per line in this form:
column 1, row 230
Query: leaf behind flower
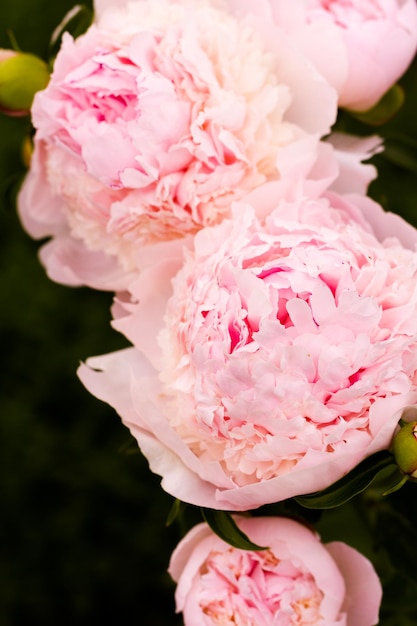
column 354, row 483
column 384, row 110
column 224, row 526
column 75, row 22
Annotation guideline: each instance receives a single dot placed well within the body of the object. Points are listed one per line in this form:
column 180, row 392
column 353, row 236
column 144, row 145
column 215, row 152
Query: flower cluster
column 185, row 158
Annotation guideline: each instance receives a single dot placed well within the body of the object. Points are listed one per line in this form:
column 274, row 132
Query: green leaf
column 13, row 40
column 75, row 22
column 402, row 152
column 384, row 110
column 350, row 485
column 394, row 481
column 224, row 526
column 175, row 511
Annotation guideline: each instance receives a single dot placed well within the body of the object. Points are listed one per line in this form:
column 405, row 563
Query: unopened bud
column 404, row 448
column 21, row 76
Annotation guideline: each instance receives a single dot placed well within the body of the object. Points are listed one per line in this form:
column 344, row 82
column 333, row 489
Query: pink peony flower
column 280, row 355
column 380, row 38
column 154, row 121
column 362, row 47
column 297, row 581
column 354, row 175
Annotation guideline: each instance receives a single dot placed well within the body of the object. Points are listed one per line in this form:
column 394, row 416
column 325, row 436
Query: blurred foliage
column 83, row 534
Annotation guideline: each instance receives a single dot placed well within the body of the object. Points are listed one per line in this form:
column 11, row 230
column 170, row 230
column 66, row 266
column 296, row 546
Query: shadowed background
column 82, row 520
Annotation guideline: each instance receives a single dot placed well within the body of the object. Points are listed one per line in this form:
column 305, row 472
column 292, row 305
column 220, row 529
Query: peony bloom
column 280, row 355
column 154, row 121
column 362, row 47
column 296, row 582
column 380, row 37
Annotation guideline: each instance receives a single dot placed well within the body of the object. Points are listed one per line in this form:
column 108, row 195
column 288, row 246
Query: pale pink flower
column 298, row 581
column 362, row 47
column 278, row 357
column 155, row 120
column 354, row 175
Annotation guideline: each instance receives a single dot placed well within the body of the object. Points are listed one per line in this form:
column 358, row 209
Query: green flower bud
column 21, row 76
column 404, row 448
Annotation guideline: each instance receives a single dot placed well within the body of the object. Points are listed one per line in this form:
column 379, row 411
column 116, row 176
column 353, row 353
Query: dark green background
column 83, row 535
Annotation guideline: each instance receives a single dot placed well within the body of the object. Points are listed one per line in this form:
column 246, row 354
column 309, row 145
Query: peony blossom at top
column 154, row 121
column 362, row 47
column 298, row 581
column 380, row 38
column 279, row 356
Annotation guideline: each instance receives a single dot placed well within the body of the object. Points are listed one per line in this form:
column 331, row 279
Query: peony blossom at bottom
column 297, row 581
